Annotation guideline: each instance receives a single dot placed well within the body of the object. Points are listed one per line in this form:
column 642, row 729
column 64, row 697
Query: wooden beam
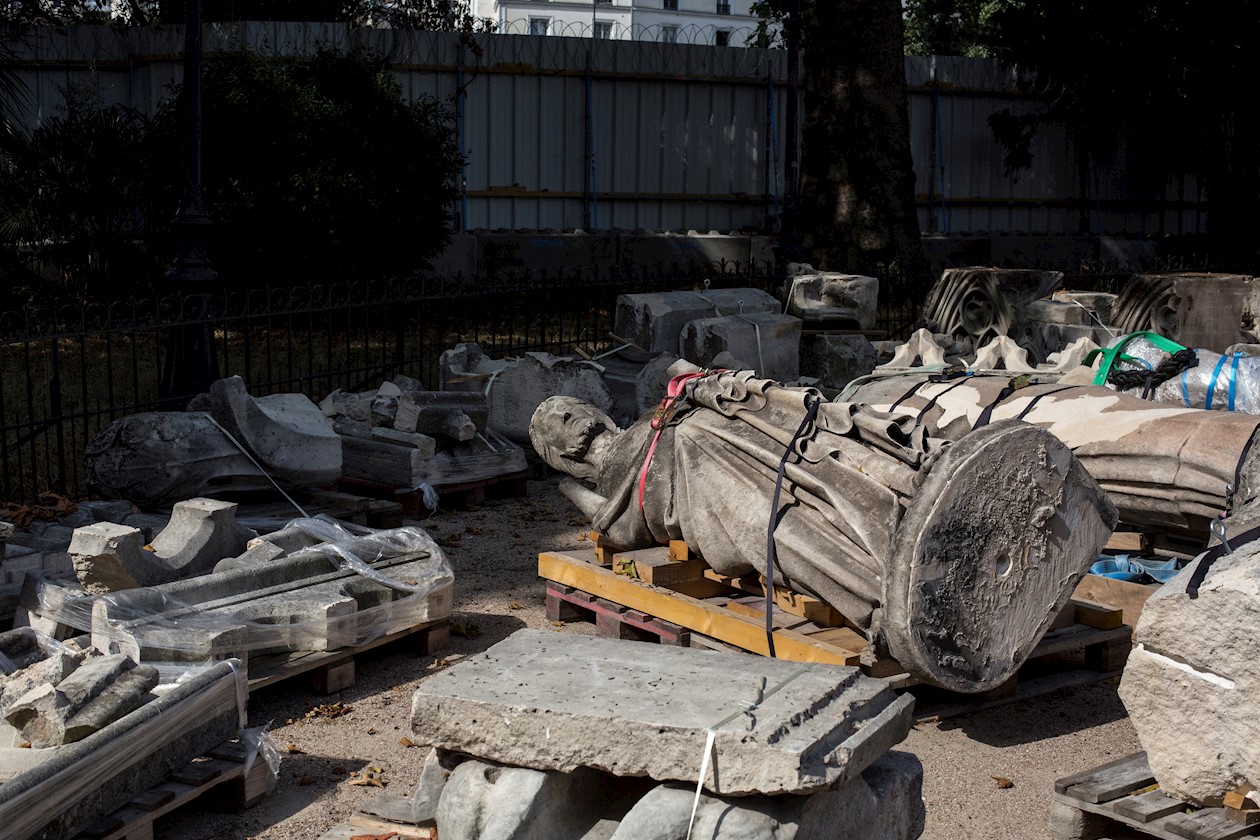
column 1094, row 614
column 1125, row 595
column 806, row 606
column 576, row 569
column 1137, row 541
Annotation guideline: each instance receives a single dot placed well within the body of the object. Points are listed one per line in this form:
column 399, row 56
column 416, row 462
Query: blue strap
column 1233, row 378
column 1185, row 388
column 1216, row 371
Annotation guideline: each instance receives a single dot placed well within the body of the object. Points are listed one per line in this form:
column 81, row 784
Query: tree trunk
column 857, row 181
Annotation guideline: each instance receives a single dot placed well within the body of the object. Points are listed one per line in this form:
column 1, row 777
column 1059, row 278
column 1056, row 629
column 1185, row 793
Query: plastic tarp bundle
column 346, row 591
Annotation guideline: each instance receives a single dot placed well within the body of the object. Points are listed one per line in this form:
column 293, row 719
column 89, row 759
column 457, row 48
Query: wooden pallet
column 456, row 496
column 219, row 778
column 382, row 815
column 332, row 671
column 1123, row 796
column 666, row 595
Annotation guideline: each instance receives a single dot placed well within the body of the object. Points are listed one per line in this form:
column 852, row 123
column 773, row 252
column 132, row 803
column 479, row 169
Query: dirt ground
column 494, row 553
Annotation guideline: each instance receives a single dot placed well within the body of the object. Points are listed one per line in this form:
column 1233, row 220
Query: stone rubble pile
column 558, row 736
column 58, row 693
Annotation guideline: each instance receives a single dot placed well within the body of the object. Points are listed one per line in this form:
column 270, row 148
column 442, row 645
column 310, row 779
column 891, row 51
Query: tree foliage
column 319, row 167
column 313, row 169
column 443, row 15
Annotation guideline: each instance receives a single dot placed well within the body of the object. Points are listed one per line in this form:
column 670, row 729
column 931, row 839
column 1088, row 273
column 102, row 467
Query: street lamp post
column 191, row 366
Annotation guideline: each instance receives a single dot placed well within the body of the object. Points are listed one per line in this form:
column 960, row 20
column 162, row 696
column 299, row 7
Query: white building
column 718, row 22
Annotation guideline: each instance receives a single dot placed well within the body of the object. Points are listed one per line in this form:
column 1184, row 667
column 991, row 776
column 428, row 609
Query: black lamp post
column 791, row 248
column 191, row 365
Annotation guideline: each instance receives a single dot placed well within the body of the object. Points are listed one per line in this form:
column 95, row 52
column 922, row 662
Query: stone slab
column 553, row 702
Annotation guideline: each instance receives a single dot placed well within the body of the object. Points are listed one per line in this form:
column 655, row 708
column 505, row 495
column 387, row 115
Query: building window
column 539, row 26
column 670, row 4
column 723, row 8
column 722, row 38
column 603, row 30
column 669, row 34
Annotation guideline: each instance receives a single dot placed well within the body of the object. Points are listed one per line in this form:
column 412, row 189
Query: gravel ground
column 494, row 553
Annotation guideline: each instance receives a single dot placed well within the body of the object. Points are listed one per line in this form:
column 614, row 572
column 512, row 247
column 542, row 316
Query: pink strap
column 665, row 413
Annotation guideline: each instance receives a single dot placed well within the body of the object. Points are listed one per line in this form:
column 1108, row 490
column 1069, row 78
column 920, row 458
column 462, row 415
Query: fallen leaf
column 24, row 745
column 1003, row 782
column 465, row 630
column 339, row 771
column 306, row 780
column 516, row 605
column 294, row 749
column 439, row 662
column 406, row 742
column 371, row 730
column 557, row 624
column 366, row 778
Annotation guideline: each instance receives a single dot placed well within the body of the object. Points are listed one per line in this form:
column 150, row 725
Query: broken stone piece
column 836, row 360
column 160, row 458
column 514, row 389
column 531, row 701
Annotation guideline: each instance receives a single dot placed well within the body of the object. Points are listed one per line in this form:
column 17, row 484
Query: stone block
column 836, row 360
column 529, row 701
column 768, row 340
column 160, row 458
column 654, row 321
column 201, row 532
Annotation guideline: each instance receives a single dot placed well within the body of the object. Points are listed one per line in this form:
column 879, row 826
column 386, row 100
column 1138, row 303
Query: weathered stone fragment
column 980, row 304
column 201, row 532
column 1192, row 682
column 424, row 444
column 555, row 702
column 515, row 389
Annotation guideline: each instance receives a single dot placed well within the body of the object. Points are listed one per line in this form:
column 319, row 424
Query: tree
column 857, row 210
column 84, row 202
column 317, row 168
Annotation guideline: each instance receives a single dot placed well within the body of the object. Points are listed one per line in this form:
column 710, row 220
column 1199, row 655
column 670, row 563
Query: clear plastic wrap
column 346, row 591
column 1218, row 383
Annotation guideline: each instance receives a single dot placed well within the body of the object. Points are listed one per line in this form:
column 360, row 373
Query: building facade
column 710, row 22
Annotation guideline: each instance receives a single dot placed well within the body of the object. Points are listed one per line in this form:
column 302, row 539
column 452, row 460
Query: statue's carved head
column 571, row 435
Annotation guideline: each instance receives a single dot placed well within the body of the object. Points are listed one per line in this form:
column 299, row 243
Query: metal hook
column 1218, row 529
column 706, row 284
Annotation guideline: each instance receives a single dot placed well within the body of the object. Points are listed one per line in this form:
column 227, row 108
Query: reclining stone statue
column 954, row 558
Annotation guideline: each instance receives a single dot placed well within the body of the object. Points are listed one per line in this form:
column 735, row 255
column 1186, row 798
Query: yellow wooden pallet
column 671, row 590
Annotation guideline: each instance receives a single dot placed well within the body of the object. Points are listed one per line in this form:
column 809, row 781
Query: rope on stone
column 1149, row 380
